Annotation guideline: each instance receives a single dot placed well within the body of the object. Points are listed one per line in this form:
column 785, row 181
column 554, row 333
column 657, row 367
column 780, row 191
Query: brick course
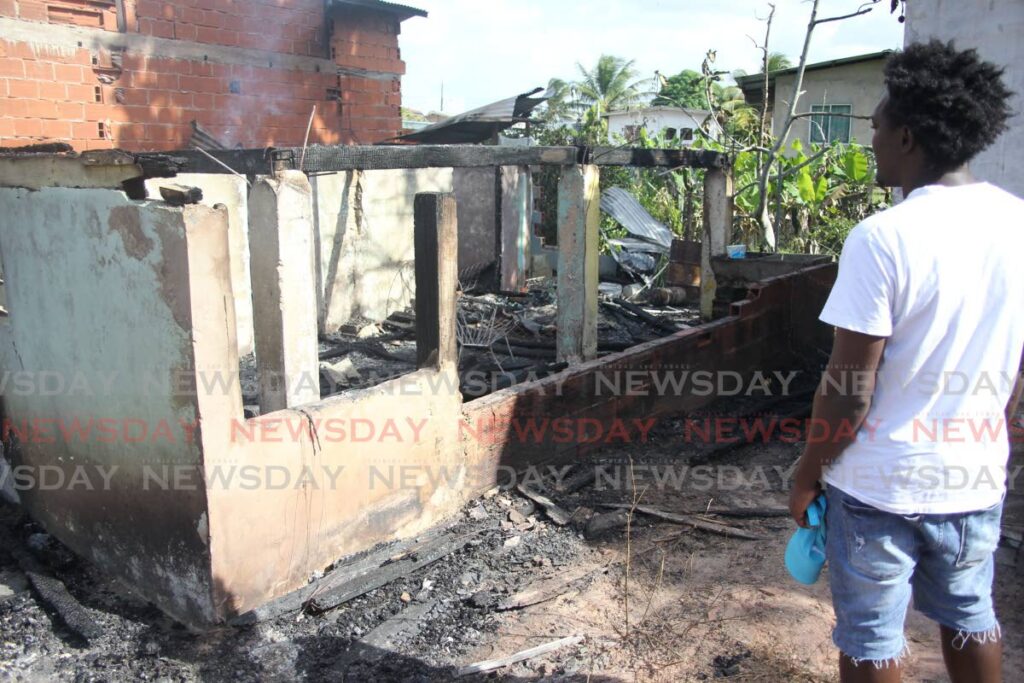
column 94, row 99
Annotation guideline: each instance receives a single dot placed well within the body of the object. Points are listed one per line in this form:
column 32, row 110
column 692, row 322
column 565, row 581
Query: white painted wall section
column 996, row 29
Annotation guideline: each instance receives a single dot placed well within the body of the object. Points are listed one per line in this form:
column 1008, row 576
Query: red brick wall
column 368, row 41
column 135, row 101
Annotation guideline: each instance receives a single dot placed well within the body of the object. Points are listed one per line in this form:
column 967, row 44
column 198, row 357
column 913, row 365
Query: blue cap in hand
column 805, row 553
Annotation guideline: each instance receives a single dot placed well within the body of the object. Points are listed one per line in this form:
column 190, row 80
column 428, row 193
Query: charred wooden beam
column 435, row 241
column 664, row 158
column 333, row 158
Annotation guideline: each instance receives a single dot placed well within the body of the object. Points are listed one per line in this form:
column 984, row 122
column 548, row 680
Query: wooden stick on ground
column 556, row 513
column 492, row 664
column 697, row 522
column 53, row 593
column 426, row 554
column 643, row 315
column 548, row 589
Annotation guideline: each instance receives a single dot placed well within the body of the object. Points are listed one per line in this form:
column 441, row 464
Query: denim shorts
column 878, row 560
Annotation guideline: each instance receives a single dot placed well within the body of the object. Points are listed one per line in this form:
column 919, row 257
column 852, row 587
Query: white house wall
column 995, row 29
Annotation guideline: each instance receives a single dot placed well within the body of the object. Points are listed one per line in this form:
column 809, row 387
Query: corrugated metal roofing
column 759, row 77
column 404, row 11
column 625, row 209
column 480, row 124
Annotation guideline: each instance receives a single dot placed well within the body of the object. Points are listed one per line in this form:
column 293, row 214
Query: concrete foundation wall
column 363, row 229
column 103, row 326
column 994, row 29
column 334, row 478
column 232, row 192
column 137, row 298
column 251, row 508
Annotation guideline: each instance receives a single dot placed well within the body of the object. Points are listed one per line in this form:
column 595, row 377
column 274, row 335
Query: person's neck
column 957, row 176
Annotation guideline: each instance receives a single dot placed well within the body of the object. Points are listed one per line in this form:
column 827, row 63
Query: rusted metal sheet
column 624, row 208
column 480, row 124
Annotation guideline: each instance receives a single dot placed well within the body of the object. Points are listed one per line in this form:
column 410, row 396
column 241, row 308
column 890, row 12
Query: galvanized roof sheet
column 624, row 208
column 404, row 11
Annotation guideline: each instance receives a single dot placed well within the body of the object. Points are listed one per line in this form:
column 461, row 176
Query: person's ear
column 907, row 141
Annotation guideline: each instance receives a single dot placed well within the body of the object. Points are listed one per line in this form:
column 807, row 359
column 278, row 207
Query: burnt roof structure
column 480, row 124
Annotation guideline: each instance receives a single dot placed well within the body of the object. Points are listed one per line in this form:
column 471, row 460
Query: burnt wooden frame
column 578, row 214
column 334, row 158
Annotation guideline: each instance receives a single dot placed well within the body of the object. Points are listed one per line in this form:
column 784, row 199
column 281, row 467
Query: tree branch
column 789, row 171
column 863, row 10
column 763, row 119
column 762, row 204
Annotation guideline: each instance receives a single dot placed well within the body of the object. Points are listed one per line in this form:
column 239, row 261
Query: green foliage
column 814, row 197
column 559, row 106
column 778, row 61
column 686, row 89
column 610, row 85
column 412, row 115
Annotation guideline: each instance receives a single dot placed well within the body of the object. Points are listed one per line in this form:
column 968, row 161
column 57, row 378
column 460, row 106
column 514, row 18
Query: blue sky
column 485, row 50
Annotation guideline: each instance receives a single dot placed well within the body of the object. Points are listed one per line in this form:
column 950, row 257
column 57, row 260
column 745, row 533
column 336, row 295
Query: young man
column 929, row 315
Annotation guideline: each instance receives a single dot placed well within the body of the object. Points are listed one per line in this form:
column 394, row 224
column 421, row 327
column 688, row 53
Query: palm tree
column 737, row 117
column 778, row 61
column 559, row 104
column 609, row 85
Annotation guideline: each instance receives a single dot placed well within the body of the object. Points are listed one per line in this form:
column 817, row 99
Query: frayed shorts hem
column 877, row 662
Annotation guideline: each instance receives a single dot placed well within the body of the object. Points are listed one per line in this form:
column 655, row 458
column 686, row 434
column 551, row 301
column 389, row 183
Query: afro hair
column 954, row 103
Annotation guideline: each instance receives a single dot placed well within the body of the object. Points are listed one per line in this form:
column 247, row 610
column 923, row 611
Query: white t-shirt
column 942, row 276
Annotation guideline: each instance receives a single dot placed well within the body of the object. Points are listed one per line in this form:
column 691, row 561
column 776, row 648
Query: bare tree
column 762, row 214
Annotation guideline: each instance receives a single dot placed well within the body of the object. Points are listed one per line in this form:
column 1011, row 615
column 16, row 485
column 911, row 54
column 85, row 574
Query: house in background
column 146, row 75
column 833, row 90
column 677, row 123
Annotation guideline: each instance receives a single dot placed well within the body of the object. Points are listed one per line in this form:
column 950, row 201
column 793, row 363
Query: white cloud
column 485, row 50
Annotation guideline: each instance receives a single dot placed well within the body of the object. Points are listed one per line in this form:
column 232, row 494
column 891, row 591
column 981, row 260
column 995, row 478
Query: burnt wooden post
column 717, row 228
column 435, row 240
column 579, row 201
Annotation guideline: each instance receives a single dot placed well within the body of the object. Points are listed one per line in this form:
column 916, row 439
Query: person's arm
column 840, row 406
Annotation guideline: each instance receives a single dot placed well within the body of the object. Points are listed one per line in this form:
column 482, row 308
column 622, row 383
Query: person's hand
column 800, row 498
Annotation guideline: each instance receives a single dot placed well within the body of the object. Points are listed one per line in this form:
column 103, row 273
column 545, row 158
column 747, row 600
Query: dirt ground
column 657, row 602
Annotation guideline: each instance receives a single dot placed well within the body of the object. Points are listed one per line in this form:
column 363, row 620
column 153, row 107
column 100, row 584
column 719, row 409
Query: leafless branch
column 763, row 121
column 762, row 204
column 862, row 10
column 762, row 216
